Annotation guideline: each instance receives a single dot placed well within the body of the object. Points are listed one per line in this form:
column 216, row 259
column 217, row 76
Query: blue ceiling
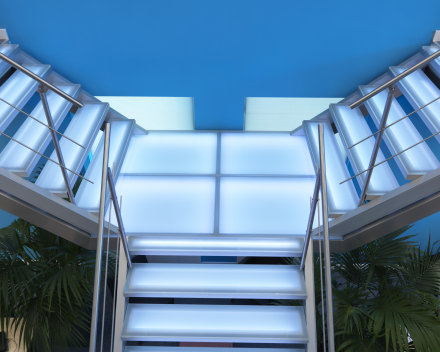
column 221, row 51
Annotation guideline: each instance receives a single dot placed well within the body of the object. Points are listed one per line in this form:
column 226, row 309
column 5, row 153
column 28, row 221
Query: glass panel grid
column 266, row 179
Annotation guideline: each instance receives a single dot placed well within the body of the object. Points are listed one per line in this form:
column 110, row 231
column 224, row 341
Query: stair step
column 20, row 160
column 82, row 129
column 214, row 323
column 17, row 90
column 10, row 50
column 419, row 90
column 353, row 127
column 267, row 246
column 341, row 198
column 206, row 349
column 413, row 163
column 215, row 281
column 88, row 194
column 434, row 64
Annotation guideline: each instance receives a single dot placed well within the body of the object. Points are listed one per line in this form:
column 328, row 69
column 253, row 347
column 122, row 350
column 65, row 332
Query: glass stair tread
column 216, row 281
column 10, row 50
column 352, row 128
column 434, row 64
column 88, row 194
column 214, row 323
column 259, row 246
column 20, row 160
column 419, row 90
column 341, row 198
column 414, row 162
column 17, row 90
column 82, row 129
column 206, row 349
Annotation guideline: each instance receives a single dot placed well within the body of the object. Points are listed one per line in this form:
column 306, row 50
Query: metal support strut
column 97, row 284
column 55, row 142
column 328, row 273
column 377, row 144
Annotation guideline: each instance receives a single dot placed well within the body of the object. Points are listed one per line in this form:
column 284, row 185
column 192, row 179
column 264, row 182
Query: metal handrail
column 395, row 80
column 118, row 215
column 311, row 219
column 40, row 80
column 42, row 123
column 391, row 124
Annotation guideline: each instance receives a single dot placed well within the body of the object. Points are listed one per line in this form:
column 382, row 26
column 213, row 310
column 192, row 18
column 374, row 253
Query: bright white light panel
column 175, row 153
column 265, row 205
column 166, row 204
column 173, row 182
column 265, row 153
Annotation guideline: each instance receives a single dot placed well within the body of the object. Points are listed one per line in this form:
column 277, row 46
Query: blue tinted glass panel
column 265, row 154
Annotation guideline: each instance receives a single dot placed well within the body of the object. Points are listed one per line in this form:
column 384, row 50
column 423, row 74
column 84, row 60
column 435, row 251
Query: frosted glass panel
column 214, row 323
column 170, row 152
column 265, row 153
column 263, row 205
column 166, row 204
column 215, row 281
column 259, row 246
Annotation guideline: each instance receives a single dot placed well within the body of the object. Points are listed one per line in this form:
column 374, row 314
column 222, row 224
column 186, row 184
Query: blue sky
column 220, row 52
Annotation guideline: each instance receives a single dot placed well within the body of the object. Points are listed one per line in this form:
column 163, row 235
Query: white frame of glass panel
column 218, row 175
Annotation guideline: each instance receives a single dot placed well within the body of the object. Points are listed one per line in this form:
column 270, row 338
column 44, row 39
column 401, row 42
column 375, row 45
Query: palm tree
column 46, row 284
column 385, row 296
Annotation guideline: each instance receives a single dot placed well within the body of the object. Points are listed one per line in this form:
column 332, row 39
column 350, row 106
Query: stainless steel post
column 55, row 142
column 377, row 144
column 328, row 273
column 96, row 289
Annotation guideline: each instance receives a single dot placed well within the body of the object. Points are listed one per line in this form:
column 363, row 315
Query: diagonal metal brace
column 311, row 219
column 55, row 142
column 118, row 215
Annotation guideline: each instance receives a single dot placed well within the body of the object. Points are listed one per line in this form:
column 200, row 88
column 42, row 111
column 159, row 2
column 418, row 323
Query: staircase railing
column 320, row 183
column 390, row 84
column 41, row 90
column 106, row 177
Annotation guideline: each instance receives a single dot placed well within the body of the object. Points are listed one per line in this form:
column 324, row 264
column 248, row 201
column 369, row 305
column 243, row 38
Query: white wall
column 282, row 114
column 155, row 113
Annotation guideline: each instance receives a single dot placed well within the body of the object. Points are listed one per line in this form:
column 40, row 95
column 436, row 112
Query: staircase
column 196, row 194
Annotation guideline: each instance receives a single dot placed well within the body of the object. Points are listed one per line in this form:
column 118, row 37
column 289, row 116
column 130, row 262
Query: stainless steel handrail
column 395, row 80
column 311, row 219
column 62, row 135
column 40, row 80
column 118, row 215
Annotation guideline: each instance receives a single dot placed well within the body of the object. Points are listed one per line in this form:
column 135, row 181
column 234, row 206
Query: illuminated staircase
column 217, row 193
